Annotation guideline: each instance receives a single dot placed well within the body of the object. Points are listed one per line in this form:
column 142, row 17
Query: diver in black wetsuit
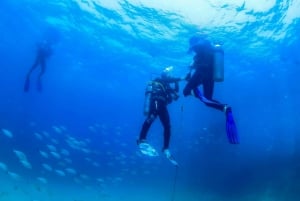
column 203, row 67
column 204, row 73
column 44, row 51
column 161, row 94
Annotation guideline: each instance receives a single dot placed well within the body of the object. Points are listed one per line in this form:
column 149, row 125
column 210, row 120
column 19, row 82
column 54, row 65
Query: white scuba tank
column 218, row 63
column 148, row 94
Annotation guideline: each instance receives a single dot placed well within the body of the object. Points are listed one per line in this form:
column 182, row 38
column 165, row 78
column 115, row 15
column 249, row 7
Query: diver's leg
column 34, row 66
column 193, row 83
column 231, row 128
column 39, row 81
column 208, row 88
column 146, row 126
column 148, row 122
column 192, row 89
column 165, row 120
column 27, row 80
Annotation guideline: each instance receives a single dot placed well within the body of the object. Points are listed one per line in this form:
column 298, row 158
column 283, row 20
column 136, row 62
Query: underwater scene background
column 76, row 140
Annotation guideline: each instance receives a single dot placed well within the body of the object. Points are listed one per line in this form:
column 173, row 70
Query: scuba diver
column 208, row 67
column 159, row 93
column 44, row 51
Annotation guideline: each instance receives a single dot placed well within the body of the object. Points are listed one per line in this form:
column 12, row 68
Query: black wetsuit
column 162, row 95
column 203, row 75
column 44, row 51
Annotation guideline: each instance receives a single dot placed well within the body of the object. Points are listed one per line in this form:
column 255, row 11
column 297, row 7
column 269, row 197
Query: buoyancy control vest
column 155, row 90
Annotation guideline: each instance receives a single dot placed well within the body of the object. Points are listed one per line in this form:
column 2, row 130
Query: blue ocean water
column 76, row 140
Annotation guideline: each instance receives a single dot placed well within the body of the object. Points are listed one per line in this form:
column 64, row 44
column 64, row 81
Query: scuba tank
column 148, row 94
column 218, row 63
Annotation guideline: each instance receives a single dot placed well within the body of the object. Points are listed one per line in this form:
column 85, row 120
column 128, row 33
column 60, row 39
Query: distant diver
column 208, row 67
column 51, row 36
column 159, row 93
column 44, row 51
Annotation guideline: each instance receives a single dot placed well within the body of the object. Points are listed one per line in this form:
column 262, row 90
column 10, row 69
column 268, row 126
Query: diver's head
column 196, row 40
column 52, row 35
column 167, row 72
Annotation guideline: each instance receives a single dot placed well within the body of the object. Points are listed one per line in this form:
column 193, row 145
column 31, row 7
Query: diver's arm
column 172, row 79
